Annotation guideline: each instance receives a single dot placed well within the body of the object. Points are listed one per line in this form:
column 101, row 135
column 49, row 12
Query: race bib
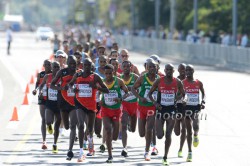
column 52, row 94
column 167, row 99
column 154, row 95
column 84, row 90
column 130, row 96
column 192, row 99
column 44, row 90
column 109, row 98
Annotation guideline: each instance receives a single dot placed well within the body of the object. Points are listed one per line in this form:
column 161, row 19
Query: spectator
column 9, row 39
column 244, row 40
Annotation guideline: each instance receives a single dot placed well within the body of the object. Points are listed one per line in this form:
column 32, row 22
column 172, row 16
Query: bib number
column 70, row 92
column 84, row 90
column 52, row 94
column 192, row 99
column 109, row 98
column 44, row 90
column 167, row 99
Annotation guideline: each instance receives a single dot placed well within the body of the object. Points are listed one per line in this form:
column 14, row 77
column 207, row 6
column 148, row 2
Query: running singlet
column 44, row 90
column 168, row 92
column 86, row 95
column 114, row 92
column 144, row 90
column 131, row 98
column 69, row 94
column 192, row 92
column 52, row 94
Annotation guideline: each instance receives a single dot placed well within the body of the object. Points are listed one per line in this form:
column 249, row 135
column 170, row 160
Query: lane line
column 22, row 142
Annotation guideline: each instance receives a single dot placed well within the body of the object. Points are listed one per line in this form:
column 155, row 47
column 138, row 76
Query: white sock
column 84, row 142
column 125, row 149
column 81, row 150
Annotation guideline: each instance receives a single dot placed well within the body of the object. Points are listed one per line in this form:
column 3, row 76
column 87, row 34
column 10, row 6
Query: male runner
column 129, row 105
column 85, row 102
column 66, row 100
column 167, row 88
column 111, row 103
column 146, row 108
column 180, row 117
column 42, row 98
column 192, row 87
column 52, row 110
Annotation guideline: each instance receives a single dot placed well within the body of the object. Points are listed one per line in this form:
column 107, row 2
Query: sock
column 84, row 142
column 81, row 150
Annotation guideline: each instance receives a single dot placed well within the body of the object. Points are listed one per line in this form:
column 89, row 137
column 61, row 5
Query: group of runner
column 93, row 89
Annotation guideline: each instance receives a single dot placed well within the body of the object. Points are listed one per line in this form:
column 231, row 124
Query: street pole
column 132, row 6
column 234, row 28
column 195, row 15
column 157, row 17
column 172, row 16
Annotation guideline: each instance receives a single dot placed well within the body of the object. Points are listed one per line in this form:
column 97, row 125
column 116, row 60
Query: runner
column 129, row 105
column 52, row 110
column 193, row 107
column 146, row 109
column 85, row 101
column 79, row 64
column 56, row 43
column 167, row 87
column 60, row 57
column 42, row 98
column 125, row 56
column 114, row 62
column 111, row 103
column 66, row 100
column 114, row 54
column 180, row 127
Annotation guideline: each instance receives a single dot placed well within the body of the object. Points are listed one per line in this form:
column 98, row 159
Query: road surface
column 224, row 136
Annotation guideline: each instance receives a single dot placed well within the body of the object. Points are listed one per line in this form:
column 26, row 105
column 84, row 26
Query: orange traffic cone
column 32, row 80
column 25, row 100
column 14, row 115
column 27, row 90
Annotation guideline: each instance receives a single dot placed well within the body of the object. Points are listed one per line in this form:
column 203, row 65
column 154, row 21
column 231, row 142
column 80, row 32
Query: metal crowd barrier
column 236, row 58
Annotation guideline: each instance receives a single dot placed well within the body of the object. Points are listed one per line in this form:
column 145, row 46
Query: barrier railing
column 209, row 54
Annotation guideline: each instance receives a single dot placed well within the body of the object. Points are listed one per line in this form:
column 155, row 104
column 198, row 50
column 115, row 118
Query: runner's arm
column 135, row 87
column 43, row 83
column 103, row 88
column 54, row 80
column 152, row 89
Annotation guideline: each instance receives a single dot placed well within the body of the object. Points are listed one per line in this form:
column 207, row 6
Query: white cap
column 156, row 58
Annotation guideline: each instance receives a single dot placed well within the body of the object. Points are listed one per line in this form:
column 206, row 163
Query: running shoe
column 154, row 151
column 50, row 129
column 147, row 157
column 165, row 161
column 180, row 154
column 44, row 146
column 91, row 149
column 189, row 158
column 70, row 155
column 99, row 135
column 110, row 159
column 124, row 153
column 54, row 149
column 81, row 157
column 102, row 148
column 196, row 141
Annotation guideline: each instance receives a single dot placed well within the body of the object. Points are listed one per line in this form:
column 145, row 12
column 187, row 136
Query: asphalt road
column 224, row 136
